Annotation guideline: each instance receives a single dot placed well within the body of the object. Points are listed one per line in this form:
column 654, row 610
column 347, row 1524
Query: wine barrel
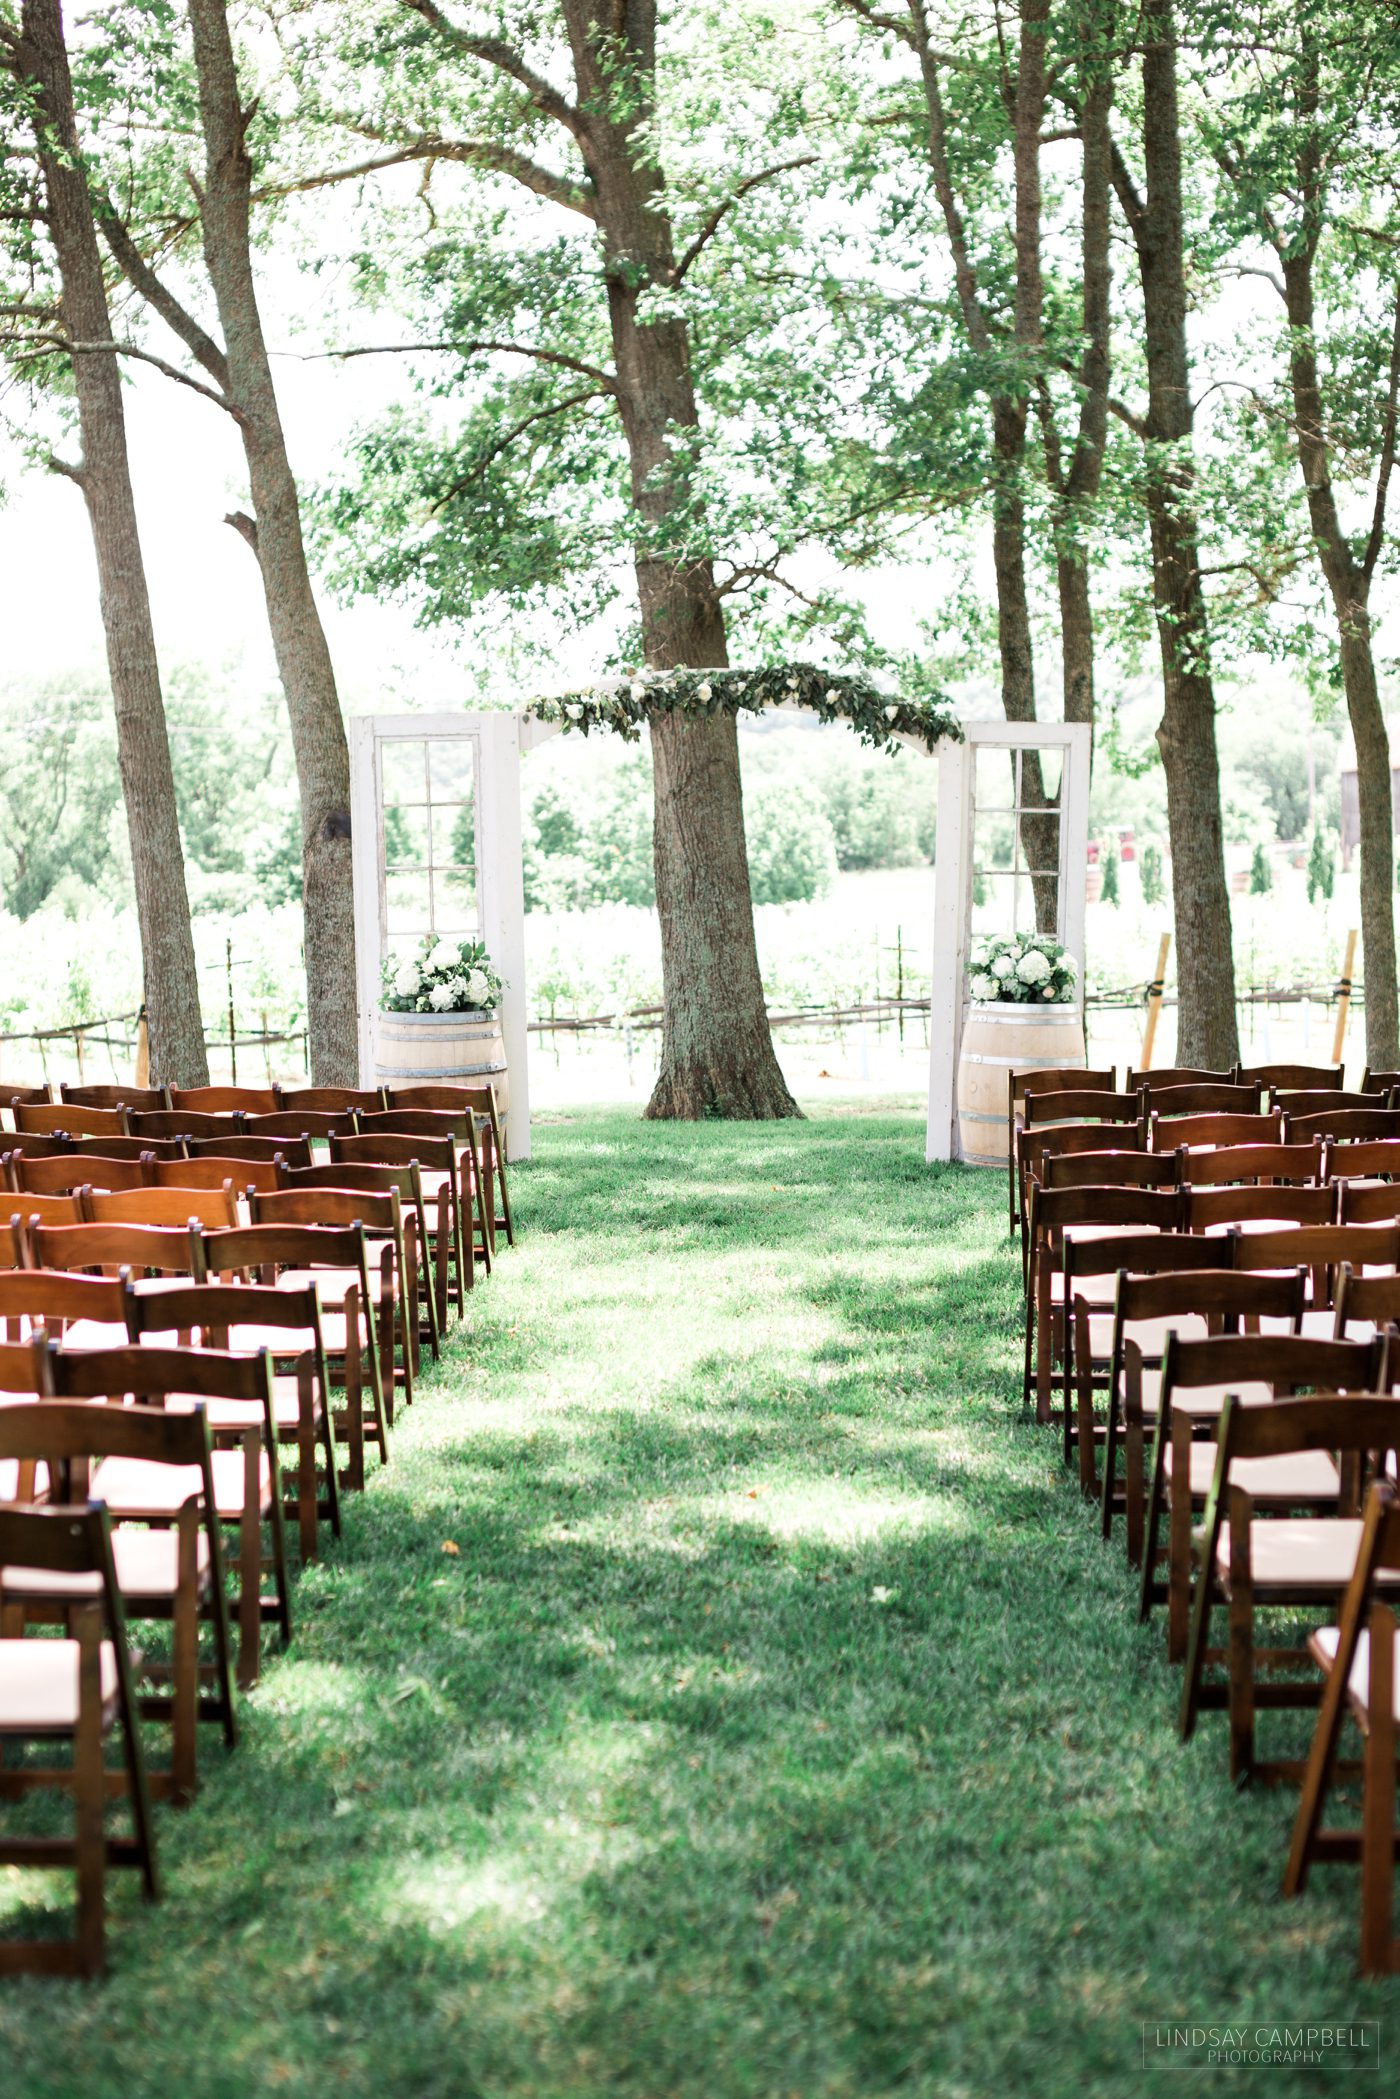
column 448, row 1049
column 997, row 1039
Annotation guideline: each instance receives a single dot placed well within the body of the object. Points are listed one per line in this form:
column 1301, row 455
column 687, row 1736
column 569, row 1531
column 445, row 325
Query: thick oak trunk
column 171, row 983
column 1207, row 1032
column 717, row 1055
column 298, row 638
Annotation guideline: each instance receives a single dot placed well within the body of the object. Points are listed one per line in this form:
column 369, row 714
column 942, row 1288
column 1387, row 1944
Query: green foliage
column 878, row 718
column 1322, row 867
column 792, row 853
column 1154, row 888
column 1109, row 891
column 1261, row 872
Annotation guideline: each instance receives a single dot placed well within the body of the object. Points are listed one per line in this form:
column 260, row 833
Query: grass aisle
column 723, row 1693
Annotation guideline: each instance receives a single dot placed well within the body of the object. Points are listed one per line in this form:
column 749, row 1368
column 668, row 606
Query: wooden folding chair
column 1035, row 1079
column 69, row 1121
column 1362, row 1202
column 425, row 1251
column 1324, row 1100
column 184, row 1123
column 1195, row 1303
column 1197, row 1377
column 1296, row 1078
column 336, row 1257
column 1379, row 1082
column 1117, row 1117
column 393, row 1277
column 1091, row 1271
column 77, row 1690
column 1257, row 1207
column 1358, row 1658
column 1197, row 1098
column 1372, row 1249
column 1074, row 1169
column 1365, row 1305
column 146, row 1250
column 213, row 1208
column 440, row 1174
column 169, row 1570
column 310, row 1123
column 38, row 1096
column 294, row 1151
column 109, row 1148
column 1247, row 1560
column 1053, row 1212
column 223, row 1100
column 287, row 1322
column 1251, row 1165
column 1177, row 1075
column 74, row 1170
column 244, row 1470
column 117, row 1095
column 1378, row 1160
column 1198, row 1132
column 83, row 1311
column 1343, row 1125
column 26, row 1210
column 27, row 1144
column 474, row 1100
column 474, row 1197
column 330, row 1100
column 213, row 1172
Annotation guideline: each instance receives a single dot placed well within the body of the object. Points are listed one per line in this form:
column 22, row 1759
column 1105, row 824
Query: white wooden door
column 436, row 832
column 982, row 881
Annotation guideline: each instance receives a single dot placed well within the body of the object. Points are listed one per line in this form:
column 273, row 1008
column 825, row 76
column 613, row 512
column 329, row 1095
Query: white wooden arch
column 444, row 778
column 980, row 784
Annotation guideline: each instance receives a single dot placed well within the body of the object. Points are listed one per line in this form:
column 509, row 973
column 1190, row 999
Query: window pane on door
column 403, row 769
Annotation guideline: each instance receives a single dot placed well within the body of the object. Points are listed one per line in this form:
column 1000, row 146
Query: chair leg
column 184, row 1671
column 1241, row 1672
column 1317, row 1777
column 89, row 1801
column 306, row 1465
column 1378, row 1948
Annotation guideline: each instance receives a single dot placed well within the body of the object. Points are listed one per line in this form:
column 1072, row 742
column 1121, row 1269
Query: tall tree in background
column 1207, row 1031
column 1320, row 191
column 241, row 373
column 81, row 331
column 982, row 102
column 606, row 323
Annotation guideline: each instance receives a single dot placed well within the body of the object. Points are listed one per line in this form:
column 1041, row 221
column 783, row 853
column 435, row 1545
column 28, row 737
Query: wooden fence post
column 1344, row 997
column 1154, row 1002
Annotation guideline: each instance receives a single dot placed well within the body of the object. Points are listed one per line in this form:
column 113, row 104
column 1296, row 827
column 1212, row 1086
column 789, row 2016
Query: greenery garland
column 621, row 705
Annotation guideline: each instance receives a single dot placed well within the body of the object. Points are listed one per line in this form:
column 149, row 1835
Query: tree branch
column 478, row 153
column 763, row 572
column 1375, row 539
column 245, row 527
column 40, row 343
column 721, row 211
column 606, row 383
column 494, row 51
column 508, row 437
column 148, row 286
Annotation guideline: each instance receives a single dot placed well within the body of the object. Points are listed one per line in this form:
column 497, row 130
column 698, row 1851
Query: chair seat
column 1205, row 1402
column 223, row 1414
column 1298, row 1552
column 1298, row 1476
column 1149, row 1334
column 39, row 1686
column 95, row 1333
column 333, row 1282
column 1319, row 1324
column 1322, row 1645
column 146, row 1562
column 138, row 1487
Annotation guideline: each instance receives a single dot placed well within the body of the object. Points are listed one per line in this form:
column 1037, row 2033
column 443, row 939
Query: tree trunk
column 1207, row 1033
column 717, row 1055
column 1348, row 583
column 298, row 638
column 171, row 983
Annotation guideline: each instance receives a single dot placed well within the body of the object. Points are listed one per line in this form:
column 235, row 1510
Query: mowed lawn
column 724, row 1692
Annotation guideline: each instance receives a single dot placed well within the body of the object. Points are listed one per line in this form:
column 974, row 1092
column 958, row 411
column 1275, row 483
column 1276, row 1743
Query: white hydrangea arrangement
column 1024, row 969
column 442, row 976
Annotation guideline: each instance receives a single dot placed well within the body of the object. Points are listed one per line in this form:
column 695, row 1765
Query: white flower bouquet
column 1026, row 969
column 443, row 976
